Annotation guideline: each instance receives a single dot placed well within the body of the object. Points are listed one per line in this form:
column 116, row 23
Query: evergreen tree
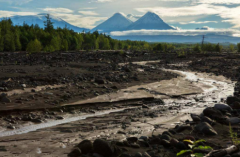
column 48, row 24
column 64, row 45
column 34, row 46
column 18, row 45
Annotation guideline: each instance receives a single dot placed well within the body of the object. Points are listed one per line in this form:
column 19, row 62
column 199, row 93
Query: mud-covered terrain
column 50, row 103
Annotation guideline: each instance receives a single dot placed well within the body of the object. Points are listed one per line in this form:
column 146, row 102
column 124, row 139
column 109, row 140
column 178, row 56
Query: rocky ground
column 39, row 88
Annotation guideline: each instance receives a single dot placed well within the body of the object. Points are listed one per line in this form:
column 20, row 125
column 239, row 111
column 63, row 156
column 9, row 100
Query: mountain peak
column 115, row 23
column 150, row 21
column 119, row 14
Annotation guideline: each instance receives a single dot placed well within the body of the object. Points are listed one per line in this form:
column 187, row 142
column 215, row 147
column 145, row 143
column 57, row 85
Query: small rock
column 145, row 138
column 145, row 106
column 135, row 145
column 60, row 117
column 167, row 133
column 99, row 81
column 11, row 127
column 125, row 155
column 165, row 137
column 165, row 143
column 132, row 139
column 138, row 154
column 146, row 154
column 181, row 146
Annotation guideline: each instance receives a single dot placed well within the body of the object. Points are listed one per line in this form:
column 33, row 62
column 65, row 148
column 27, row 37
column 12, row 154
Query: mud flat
column 130, row 103
column 176, row 93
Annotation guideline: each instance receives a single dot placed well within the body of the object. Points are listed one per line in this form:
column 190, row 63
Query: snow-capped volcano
column 117, row 22
column 40, row 18
column 149, row 21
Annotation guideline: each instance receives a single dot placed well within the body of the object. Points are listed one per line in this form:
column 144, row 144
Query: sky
column 182, row 14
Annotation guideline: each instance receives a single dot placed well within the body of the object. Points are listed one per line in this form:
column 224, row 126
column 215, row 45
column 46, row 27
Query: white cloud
column 230, row 32
column 231, row 14
column 91, row 13
column 16, row 2
column 197, row 22
column 58, row 10
column 11, row 13
column 219, row 1
column 103, row 1
column 202, row 9
column 79, row 20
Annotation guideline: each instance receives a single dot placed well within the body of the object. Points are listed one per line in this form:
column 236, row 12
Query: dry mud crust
column 69, row 77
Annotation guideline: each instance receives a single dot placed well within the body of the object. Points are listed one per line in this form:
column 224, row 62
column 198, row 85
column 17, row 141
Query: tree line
column 32, row 38
column 35, row 39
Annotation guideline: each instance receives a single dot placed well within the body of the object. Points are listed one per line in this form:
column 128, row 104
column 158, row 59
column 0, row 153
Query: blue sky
column 185, row 14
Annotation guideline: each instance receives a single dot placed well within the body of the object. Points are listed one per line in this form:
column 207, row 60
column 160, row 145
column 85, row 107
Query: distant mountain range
column 118, row 22
column 40, row 18
column 211, row 38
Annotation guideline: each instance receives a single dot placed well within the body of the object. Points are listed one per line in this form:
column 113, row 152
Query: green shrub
column 197, row 48
column 218, row 48
column 231, row 47
column 34, row 46
column 238, row 45
column 49, row 48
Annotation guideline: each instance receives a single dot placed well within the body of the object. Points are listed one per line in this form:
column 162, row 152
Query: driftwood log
column 223, row 152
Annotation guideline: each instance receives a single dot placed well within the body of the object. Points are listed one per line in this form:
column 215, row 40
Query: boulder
column 222, row 107
column 174, row 142
column 236, row 105
column 5, row 100
column 166, row 137
column 212, row 113
column 85, row 146
column 208, row 120
column 183, row 127
column 167, row 133
column 75, row 153
column 195, row 118
column 165, row 143
column 234, row 120
column 103, row 148
column 205, row 128
column 232, row 99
